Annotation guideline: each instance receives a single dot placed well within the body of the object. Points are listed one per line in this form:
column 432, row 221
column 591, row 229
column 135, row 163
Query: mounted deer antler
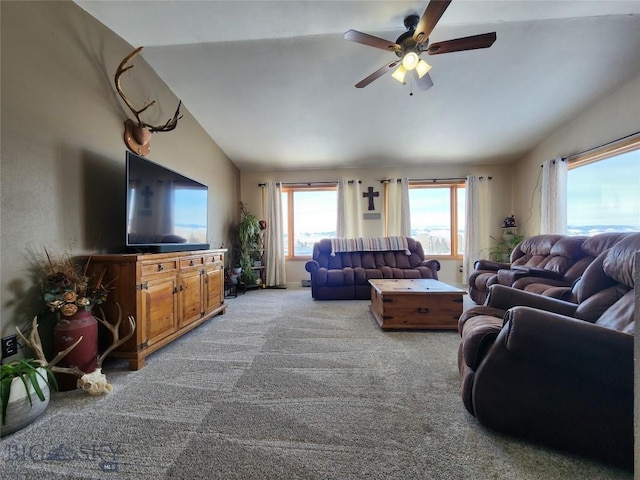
column 35, row 343
column 137, row 136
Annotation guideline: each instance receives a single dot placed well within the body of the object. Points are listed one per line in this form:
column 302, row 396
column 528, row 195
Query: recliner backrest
column 533, row 250
column 605, row 290
column 591, row 248
column 564, row 254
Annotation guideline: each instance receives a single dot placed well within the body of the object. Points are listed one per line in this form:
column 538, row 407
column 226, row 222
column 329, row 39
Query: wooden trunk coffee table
column 415, row 304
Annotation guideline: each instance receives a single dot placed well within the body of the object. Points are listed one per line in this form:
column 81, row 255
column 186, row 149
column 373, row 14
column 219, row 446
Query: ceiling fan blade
column 424, row 83
column 430, row 17
column 370, row 40
column 377, row 74
column 474, row 42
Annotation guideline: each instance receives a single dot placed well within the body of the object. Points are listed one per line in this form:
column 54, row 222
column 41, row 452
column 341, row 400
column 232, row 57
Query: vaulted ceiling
column 272, row 82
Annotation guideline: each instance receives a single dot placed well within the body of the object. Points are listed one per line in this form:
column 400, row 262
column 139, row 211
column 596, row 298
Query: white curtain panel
column 275, row 275
column 553, row 200
column 398, row 213
column 349, row 209
column 477, row 231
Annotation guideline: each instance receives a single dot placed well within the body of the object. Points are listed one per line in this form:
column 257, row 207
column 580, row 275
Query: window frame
column 453, row 187
column 290, row 190
column 626, row 145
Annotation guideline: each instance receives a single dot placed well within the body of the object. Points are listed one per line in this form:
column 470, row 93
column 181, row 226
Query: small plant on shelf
column 501, row 250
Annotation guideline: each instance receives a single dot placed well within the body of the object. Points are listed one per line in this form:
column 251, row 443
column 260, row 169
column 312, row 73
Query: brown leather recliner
column 541, row 264
column 532, row 252
column 557, row 372
column 561, row 287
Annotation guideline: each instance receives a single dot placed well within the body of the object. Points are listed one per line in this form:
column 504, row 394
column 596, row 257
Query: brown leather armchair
column 558, row 372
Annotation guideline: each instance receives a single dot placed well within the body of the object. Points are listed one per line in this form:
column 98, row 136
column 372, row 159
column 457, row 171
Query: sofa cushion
column 597, row 244
column 532, row 250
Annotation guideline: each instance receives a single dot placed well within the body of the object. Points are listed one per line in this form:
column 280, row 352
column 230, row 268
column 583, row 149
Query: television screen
column 166, row 211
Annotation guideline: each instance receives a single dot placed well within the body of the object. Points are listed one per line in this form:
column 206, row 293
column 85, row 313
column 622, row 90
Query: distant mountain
column 594, row 229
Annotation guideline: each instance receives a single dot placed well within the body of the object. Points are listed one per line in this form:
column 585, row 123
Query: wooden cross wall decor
column 370, row 194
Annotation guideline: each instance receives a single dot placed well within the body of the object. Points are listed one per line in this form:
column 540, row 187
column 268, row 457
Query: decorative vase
column 21, row 412
column 235, row 275
column 84, row 355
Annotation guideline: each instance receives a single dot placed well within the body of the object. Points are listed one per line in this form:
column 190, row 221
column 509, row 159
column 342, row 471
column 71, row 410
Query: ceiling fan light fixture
column 400, row 73
column 422, row 68
column 410, row 60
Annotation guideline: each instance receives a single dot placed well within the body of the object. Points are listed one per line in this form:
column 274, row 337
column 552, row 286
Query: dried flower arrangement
column 67, row 286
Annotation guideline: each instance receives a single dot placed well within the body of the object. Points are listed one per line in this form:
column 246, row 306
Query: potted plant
column 72, row 294
column 501, row 250
column 247, row 245
column 24, row 392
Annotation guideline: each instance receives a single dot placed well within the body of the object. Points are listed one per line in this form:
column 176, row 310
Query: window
column 309, row 214
column 437, row 217
column 602, row 192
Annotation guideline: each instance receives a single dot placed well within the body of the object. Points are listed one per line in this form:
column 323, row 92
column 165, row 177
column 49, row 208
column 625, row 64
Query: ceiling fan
column 413, row 42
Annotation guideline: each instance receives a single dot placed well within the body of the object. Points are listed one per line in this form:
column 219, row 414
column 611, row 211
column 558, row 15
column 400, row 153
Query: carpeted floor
column 283, row 387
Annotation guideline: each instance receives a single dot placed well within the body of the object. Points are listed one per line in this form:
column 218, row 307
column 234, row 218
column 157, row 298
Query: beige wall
column 500, row 188
column 615, row 115
column 62, row 153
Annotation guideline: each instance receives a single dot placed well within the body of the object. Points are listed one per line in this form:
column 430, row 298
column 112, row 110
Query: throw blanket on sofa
column 371, row 244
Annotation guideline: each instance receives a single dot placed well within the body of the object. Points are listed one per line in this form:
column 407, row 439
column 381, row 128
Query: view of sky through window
column 314, row 217
column 604, row 195
column 431, row 218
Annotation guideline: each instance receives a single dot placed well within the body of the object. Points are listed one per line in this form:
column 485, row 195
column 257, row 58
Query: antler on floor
column 115, row 332
column 35, row 343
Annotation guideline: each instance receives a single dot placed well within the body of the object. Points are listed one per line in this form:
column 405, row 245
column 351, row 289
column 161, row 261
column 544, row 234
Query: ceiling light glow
column 399, row 74
column 410, row 60
column 422, row 68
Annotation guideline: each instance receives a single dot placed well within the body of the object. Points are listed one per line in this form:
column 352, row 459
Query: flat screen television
column 166, row 211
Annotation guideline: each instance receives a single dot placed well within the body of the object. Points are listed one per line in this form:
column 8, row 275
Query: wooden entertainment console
column 168, row 294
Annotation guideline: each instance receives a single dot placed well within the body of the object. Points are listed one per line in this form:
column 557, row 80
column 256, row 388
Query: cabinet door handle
column 160, row 267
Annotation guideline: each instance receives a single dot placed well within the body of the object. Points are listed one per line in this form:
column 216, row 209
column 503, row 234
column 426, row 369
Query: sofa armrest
column 590, row 351
column 507, row 276
column 312, row 266
column 538, row 272
column 490, row 265
column 478, row 336
column 432, row 264
column 504, row 298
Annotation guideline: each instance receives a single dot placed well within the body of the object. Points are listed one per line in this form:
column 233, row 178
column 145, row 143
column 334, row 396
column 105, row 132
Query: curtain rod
column 600, row 146
column 435, row 180
column 306, row 184
column 579, row 154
